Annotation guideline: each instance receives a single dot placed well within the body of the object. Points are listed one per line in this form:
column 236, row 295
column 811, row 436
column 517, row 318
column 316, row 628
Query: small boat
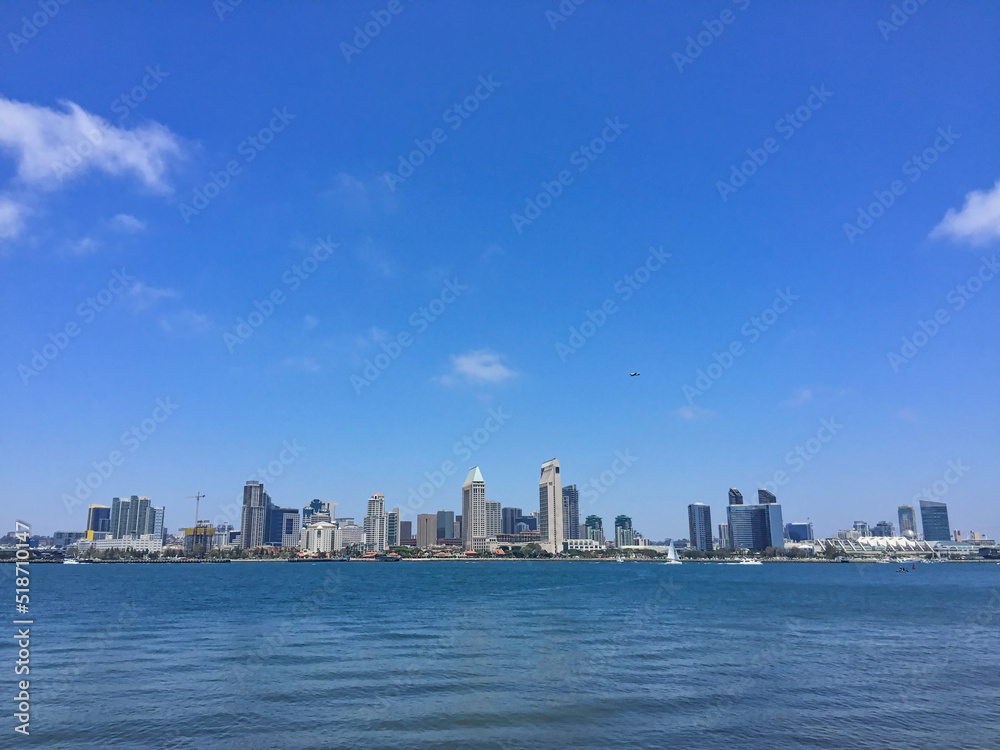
column 71, row 561
column 746, row 561
column 672, row 558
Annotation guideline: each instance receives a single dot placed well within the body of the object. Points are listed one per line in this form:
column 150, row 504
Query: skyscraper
column 755, row 526
column 765, row 497
column 445, row 524
column 550, row 522
column 934, row 518
column 907, row 522
column 392, row 528
column 134, row 517
column 99, row 518
column 595, row 529
column 254, row 518
column 571, row 512
column 624, row 535
column 376, row 525
column 283, row 527
column 494, row 519
column 315, row 506
column 406, row 533
column 799, row 531
column 509, row 518
column 473, row 508
column 700, row 526
column 427, row 530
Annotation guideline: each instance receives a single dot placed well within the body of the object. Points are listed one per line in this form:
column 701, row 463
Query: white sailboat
column 672, row 558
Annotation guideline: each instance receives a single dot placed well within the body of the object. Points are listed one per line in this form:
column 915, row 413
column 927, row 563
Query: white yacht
column 672, row 558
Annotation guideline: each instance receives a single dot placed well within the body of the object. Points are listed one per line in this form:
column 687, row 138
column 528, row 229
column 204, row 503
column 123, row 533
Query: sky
column 347, row 248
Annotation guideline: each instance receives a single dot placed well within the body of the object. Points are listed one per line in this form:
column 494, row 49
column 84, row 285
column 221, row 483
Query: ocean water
column 509, row 655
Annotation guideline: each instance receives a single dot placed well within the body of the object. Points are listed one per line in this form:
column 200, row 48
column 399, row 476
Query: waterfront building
column 862, row 528
column 766, row 497
column 755, row 527
column 700, row 526
column 735, row 496
column 406, row 534
column 494, row 518
column 595, row 528
column 199, row 540
column 725, row 541
column 530, row 523
column 799, row 532
column 223, row 532
column 934, row 519
column 583, row 545
column 550, row 523
column 880, row 546
column 352, row 534
column 458, row 527
column 143, row 543
column 571, row 511
column 884, row 528
column 509, row 517
column 376, row 525
column 255, row 515
column 907, row 521
column 322, row 537
column 392, row 533
column 98, row 518
column 624, row 535
column 445, row 524
column 133, row 516
column 473, row 508
column 283, row 527
column 427, row 528
column 63, row 539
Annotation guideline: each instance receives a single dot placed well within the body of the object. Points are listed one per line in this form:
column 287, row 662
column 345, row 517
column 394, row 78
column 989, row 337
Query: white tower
column 550, row 520
column 473, row 508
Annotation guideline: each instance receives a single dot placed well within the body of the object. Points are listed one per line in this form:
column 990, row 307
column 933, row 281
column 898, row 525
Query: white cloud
column 141, row 296
column 801, row 396
column 185, row 321
column 127, row 223
column 694, row 412
column 50, row 146
column 977, row 221
column 82, row 246
column 11, row 218
column 481, row 366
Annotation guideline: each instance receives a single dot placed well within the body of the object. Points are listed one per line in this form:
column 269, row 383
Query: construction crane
column 197, row 501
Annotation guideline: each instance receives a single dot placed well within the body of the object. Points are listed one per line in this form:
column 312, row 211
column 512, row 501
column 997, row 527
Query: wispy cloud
column 11, row 218
column 185, row 322
column 977, row 221
column 127, row 223
column 800, row 397
column 141, row 296
column 478, row 366
column 692, row 413
column 82, row 246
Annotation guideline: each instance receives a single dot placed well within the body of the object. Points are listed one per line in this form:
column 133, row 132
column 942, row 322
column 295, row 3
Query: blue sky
column 646, row 139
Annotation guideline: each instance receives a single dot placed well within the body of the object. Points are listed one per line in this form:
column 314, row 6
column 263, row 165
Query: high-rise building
column 934, row 518
column 595, row 528
column 322, row 536
column 315, row 506
column 884, row 528
column 406, row 533
column 735, row 496
column 799, row 532
column 907, row 522
column 571, row 512
column 134, row 517
column 427, row 528
column 624, row 535
column 445, row 524
column 99, row 518
column 755, row 527
column 376, row 525
column 254, row 518
column 725, row 540
column 392, row 528
column 473, row 508
column 509, row 518
column 700, row 526
column 530, row 523
column 765, row 497
column 550, row 522
column 119, row 517
column 458, row 526
column 283, row 527
column 862, row 528
column 494, row 519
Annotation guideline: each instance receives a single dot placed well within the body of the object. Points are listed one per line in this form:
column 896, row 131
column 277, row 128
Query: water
column 509, row 655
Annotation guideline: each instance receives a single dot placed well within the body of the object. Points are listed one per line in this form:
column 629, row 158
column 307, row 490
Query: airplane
column 632, row 374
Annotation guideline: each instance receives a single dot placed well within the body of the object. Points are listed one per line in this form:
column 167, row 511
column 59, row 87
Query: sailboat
column 672, row 558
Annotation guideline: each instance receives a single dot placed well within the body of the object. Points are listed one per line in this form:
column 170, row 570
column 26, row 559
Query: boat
column 672, row 558
column 71, row 561
column 746, row 561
